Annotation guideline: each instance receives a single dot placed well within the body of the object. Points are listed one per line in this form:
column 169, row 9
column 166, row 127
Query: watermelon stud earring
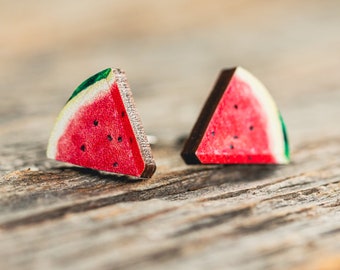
column 239, row 124
column 99, row 128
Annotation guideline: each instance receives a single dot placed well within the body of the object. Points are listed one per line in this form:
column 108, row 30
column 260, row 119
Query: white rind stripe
column 274, row 124
column 85, row 97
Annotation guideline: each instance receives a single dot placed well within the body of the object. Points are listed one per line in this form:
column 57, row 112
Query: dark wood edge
column 189, row 150
column 136, row 123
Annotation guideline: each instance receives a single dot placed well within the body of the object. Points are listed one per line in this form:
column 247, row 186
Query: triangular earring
column 239, row 124
column 99, row 128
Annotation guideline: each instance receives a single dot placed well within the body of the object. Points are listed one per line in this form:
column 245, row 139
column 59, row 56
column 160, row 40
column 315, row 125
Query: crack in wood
column 272, row 222
column 213, row 220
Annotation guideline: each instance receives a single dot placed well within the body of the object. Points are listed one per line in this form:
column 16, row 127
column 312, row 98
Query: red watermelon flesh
column 103, row 138
column 99, row 128
column 239, row 124
column 242, row 137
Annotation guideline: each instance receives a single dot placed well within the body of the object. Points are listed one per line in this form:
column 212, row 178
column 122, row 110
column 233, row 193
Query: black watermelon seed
column 115, row 164
column 236, row 106
column 109, row 137
column 231, row 146
column 235, row 137
column 123, row 113
column 213, row 133
column 95, row 122
column 83, row 148
column 251, row 127
column 120, row 139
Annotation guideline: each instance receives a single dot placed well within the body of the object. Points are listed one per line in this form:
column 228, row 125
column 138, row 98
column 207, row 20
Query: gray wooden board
column 54, row 215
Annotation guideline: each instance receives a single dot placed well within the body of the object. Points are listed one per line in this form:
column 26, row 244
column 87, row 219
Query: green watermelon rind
column 276, row 127
column 285, row 137
column 90, row 81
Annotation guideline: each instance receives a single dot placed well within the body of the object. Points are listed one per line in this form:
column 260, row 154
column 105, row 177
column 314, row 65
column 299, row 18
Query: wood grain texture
column 55, row 216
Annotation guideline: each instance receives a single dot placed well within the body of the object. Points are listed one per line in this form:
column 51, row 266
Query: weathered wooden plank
column 189, row 210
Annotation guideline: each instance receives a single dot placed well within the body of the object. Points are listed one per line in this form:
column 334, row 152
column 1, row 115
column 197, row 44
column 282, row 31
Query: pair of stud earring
column 100, row 128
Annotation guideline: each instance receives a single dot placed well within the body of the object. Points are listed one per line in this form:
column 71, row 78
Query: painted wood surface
column 54, row 216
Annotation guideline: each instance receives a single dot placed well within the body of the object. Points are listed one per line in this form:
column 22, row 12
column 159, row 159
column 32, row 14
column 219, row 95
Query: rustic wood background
column 55, row 216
